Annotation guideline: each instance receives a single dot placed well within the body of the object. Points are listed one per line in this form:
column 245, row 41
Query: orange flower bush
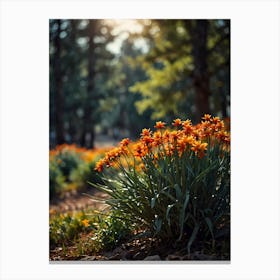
column 175, row 182
column 165, row 143
column 71, row 167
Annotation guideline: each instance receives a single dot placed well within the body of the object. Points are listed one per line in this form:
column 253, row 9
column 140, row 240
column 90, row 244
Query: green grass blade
column 192, row 238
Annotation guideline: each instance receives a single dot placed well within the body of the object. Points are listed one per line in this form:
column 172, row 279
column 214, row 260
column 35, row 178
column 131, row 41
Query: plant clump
column 71, row 167
column 174, row 182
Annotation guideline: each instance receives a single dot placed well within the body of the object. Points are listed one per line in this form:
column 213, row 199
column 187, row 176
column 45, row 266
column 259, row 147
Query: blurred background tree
column 114, row 77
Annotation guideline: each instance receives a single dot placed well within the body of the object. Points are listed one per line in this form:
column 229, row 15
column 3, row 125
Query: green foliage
column 112, row 230
column 180, row 197
column 106, row 230
column 169, row 88
column 118, row 108
column 65, row 228
column 56, row 179
column 164, row 89
column 123, row 90
column 61, row 167
column 83, row 174
column 71, row 168
column 67, row 162
column 70, row 38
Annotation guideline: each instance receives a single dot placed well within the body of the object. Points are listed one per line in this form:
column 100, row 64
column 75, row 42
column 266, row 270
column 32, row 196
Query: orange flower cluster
column 66, row 148
column 113, row 155
column 87, row 155
column 163, row 142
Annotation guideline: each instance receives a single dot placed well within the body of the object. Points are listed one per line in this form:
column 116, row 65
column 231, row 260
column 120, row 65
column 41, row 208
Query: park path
column 74, row 201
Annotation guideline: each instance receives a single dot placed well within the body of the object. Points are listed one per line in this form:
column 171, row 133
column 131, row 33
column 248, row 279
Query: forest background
column 111, row 78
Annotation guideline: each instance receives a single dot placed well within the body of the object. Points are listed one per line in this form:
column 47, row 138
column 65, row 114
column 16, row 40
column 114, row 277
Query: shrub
column 83, row 174
column 111, row 231
column 65, row 228
column 56, row 179
column 63, row 160
column 71, row 167
column 104, row 230
column 68, row 158
column 174, row 182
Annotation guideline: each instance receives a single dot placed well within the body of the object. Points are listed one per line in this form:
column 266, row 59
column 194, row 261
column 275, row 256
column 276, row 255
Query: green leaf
column 210, row 226
column 187, row 198
column 178, row 191
column 190, row 170
column 153, row 200
column 192, row 238
column 158, row 223
column 169, row 207
column 102, row 188
column 169, row 195
column 183, row 218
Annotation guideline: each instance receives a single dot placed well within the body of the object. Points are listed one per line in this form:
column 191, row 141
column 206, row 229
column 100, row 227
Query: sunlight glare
column 121, row 28
column 125, row 25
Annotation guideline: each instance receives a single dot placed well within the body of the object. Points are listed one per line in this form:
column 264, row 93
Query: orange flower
column 183, row 142
column 205, row 129
column 203, row 146
column 166, row 135
column 181, row 146
column 215, row 120
column 224, row 137
column 219, row 125
column 187, row 127
column 124, row 142
column 99, row 165
column 206, row 117
column 169, row 150
column 187, row 122
column 166, row 142
column 160, row 125
column 123, row 146
column 113, row 154
column 147, row 140
column 85, row 222
column 195, row 146
column 199, row 148
column 145, row 132
column 140, row 150
column 157, row 138
column 177, row 122
column 174, row 135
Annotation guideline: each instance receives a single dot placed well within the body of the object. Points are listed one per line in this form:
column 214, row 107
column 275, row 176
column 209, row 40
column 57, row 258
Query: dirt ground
column 74, row 200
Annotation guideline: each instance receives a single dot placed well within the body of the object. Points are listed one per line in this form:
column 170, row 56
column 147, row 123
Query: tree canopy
column 116, row 77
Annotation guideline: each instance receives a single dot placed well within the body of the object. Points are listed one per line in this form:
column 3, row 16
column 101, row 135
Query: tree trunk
column 88, row 135
column 58, row 97
column 200, row 75
column 224, row 105
column 73, row 73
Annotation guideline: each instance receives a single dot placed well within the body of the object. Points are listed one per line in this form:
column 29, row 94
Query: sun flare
column 125, row 25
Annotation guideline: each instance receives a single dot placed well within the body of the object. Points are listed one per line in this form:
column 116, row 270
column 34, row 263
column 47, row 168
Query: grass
column 88, row 232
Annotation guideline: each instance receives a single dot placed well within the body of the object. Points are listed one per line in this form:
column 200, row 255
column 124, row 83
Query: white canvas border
column 255, row 138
